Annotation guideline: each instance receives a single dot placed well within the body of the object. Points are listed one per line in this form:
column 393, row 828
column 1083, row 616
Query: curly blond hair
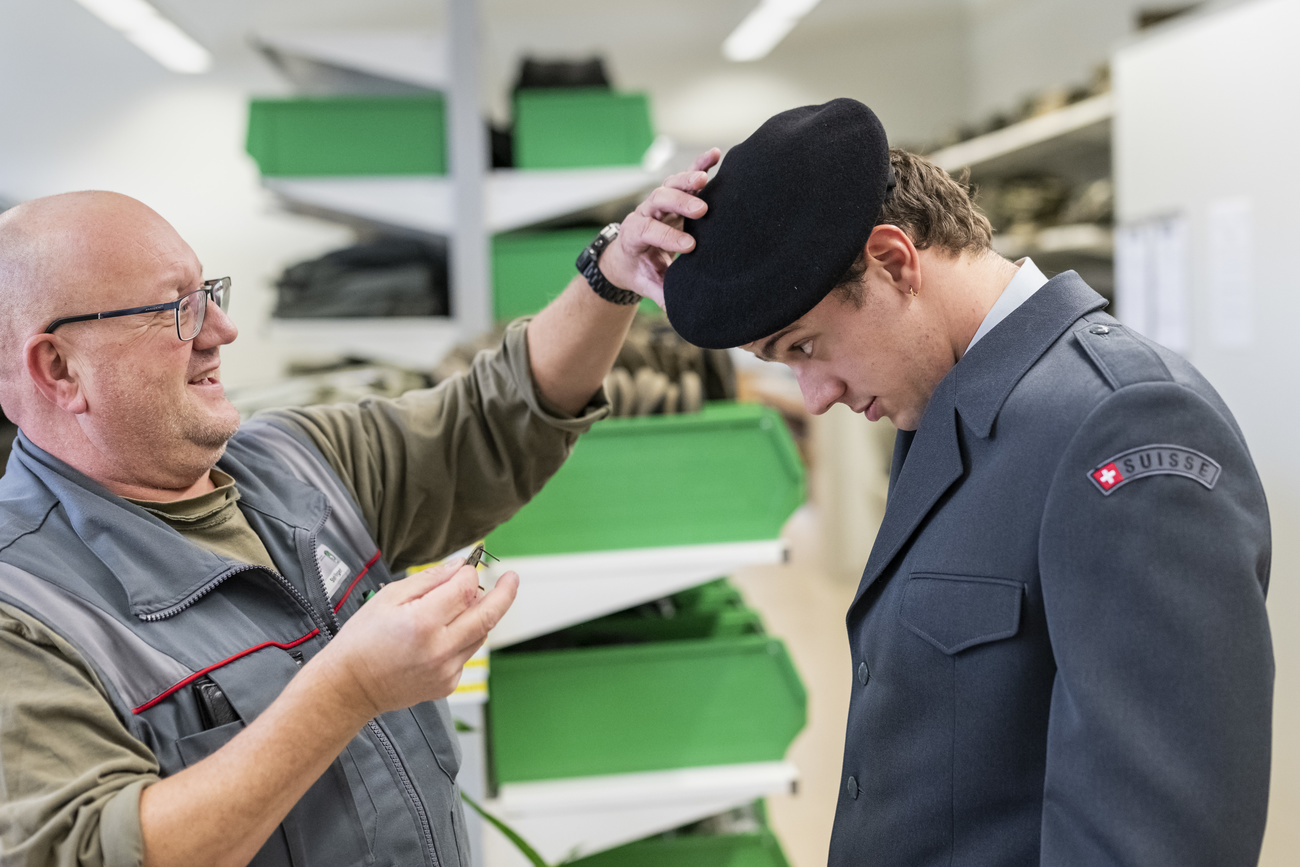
column 933, row 208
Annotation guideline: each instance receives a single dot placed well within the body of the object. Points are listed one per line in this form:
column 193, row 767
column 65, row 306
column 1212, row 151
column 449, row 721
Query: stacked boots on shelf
column 658, row 373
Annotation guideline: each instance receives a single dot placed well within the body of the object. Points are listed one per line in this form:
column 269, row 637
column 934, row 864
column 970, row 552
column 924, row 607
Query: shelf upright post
column 470, row 273
column 470, row 263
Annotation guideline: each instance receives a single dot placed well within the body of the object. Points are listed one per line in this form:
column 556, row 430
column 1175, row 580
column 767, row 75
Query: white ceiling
column 693, row 25
column 670, row 48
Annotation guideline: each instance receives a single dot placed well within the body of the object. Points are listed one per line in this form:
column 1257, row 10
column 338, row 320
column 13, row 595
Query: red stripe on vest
column 196, row 675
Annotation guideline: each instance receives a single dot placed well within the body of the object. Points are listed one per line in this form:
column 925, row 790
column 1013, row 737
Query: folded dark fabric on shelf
column 386, row 277
column 583, row 72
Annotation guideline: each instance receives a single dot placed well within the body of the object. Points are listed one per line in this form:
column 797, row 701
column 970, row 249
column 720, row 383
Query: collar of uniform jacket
column 974, row 390
column 1027, row 281
column 158, row 575
column 990, row 369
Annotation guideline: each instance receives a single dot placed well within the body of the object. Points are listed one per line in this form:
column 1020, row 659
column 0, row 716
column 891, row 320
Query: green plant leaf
column 513, row 836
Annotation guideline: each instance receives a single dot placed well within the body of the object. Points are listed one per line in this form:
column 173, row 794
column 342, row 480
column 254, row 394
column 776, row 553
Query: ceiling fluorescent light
column 763, row 28
column 152, row 33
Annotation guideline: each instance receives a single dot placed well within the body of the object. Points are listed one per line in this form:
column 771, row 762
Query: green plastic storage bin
column 348, row 135
column 756, row 849
column 646, row 707
column 578, row 127
column 729, row 473
column 715, row 610
column 531, row 268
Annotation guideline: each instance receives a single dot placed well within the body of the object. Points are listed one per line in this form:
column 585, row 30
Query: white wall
column 81, row 108
column 1207, row 111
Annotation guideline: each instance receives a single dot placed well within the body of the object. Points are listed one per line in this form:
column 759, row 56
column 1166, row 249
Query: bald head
column 69, row 254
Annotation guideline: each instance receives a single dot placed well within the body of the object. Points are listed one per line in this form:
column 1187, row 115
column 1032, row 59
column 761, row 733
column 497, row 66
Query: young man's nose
column 819, row 392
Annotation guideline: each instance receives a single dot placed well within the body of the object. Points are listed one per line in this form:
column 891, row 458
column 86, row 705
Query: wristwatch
column 589, row 266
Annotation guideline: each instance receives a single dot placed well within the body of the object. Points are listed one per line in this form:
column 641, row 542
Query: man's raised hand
column 652, row 234
column 411, row 640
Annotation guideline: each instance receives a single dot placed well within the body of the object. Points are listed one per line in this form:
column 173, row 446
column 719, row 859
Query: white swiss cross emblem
column 1108, row 476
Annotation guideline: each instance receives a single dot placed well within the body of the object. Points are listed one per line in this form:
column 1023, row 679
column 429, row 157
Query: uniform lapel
column 972, row 393
column 933, row 462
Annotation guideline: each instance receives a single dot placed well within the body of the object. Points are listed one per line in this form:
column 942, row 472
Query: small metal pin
column 476, row 557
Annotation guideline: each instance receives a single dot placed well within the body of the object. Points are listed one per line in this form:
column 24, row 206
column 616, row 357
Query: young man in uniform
column 1060, row 651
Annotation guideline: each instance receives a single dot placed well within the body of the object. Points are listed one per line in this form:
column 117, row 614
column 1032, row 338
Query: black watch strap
column 588, row 265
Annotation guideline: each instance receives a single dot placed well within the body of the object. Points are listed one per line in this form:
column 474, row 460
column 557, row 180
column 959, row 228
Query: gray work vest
column 192, row 646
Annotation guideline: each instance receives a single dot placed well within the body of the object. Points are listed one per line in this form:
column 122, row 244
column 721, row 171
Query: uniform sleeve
column 70, row 773
column 1160, row 730
column 436, row 469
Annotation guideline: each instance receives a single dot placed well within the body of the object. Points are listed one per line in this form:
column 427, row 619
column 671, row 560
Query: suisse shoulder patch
column 1154, row 460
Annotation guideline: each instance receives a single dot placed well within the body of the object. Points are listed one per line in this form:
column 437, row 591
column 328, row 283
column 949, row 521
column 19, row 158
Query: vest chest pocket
column 196, row 747
column 957, row 612
column 325, row 826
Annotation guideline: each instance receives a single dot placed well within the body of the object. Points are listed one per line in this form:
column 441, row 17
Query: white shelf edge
column 634, row 561
column 1018, row 136
column 585, row 815
column 413, row 341
column 516, row 198
column 1085, row 239
column 561, row 590
column 417, row 57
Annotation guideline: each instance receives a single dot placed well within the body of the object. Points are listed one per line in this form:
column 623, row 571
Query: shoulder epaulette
column 1120, row 356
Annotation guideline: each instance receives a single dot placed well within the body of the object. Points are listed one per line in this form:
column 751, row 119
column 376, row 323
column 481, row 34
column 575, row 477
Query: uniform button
column 852, row 787
column 1099, row 329
column 863, row 674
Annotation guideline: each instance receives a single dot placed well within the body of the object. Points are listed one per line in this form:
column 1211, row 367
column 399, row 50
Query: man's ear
column 53, row 374
column 892, row 250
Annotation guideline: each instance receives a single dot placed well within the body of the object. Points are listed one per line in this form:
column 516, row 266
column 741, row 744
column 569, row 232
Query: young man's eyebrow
column 768, row 350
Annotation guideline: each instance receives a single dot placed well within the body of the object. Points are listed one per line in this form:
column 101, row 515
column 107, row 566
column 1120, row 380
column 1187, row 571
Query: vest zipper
column 396, row 761
column 280, row 580
column 394, row 758
column 328, row 628
column 320, row 578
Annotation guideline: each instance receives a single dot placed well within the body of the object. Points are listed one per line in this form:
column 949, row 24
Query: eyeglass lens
column 193, row 308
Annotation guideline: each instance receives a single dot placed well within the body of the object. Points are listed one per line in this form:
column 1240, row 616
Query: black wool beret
column 790, row 209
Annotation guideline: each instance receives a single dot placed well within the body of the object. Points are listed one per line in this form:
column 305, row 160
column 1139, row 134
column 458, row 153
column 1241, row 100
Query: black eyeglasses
column 191, row 309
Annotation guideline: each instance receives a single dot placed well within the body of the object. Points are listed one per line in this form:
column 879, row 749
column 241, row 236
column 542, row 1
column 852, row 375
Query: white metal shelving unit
column 1064, row 141
column 565, row 816
column 467, row 206
column 1073, row 142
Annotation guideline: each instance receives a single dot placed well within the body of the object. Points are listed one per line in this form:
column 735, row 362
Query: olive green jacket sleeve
column 435, row 470
column 70, row 773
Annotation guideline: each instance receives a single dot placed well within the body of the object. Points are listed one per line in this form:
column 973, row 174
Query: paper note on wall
column 1151, row 286
column 1230, row 252
column 1132, row 288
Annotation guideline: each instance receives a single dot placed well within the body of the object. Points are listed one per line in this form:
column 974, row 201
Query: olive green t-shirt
column 432, row 471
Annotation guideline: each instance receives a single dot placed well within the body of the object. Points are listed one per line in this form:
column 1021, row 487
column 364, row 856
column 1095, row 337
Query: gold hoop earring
column 911, row 291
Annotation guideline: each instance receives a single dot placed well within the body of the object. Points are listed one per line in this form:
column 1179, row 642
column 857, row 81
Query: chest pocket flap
column 955, row 612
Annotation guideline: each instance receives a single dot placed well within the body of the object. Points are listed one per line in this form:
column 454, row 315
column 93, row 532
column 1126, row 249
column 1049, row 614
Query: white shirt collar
column 1027, row 281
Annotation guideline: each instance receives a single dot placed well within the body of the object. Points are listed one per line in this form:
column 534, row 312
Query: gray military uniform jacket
column 1061, row 654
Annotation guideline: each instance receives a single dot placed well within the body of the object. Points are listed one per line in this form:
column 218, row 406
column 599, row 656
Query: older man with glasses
column 189, row 673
